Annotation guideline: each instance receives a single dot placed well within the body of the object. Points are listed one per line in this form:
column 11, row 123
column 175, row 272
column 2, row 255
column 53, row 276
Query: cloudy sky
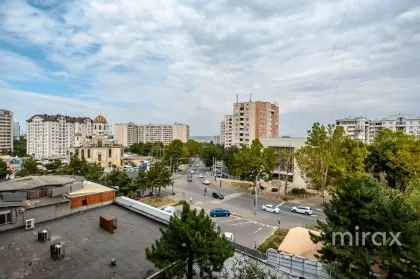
column 165, row 61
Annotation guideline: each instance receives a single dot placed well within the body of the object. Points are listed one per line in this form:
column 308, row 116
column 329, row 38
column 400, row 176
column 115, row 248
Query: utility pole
column 257, row 178
column 172, row 173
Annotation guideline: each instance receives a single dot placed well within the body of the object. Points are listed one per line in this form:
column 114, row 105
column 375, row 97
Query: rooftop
column 88, row 248
column 284, row 142
column 32, row 182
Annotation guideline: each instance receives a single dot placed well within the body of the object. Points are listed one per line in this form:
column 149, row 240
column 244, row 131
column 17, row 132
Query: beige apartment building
column 365, row 130
column 251, row 120
column 6, row 130
column 226, row 131
column 126, row 134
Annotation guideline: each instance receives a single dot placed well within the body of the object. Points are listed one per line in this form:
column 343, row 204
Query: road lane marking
column 280, row 204
column 228, row 197
column 241, row 223
column 237, row 219
column 258, row 230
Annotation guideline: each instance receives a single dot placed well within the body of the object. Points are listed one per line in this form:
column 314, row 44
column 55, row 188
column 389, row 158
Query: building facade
column 126, row 134
column 50, row 136
column 226, row 131
column 99, row 148
column 163, row 133
column 6, row 130
column 251, row 120
column 365, row 130
column 16, row 130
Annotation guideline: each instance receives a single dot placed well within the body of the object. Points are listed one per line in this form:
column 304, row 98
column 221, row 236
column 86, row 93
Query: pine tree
column 190, row 243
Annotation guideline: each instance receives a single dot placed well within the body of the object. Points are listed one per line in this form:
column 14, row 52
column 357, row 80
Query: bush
column 298, row 191
column 274, row 189
column 181, row 202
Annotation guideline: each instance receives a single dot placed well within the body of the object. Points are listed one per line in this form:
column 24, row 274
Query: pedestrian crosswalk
column 228, row 197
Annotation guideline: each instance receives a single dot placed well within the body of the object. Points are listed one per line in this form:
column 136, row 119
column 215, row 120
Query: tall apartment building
column 50, row 136
column 6, row 130
column 126, row 134
column 253, row 120
column 364, row 130
column 226, row 131
column 163, row 133
column 16, row 130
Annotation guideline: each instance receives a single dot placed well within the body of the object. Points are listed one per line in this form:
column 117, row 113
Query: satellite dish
column 12, row 176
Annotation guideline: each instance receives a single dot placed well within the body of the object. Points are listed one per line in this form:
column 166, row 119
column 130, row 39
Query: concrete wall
column 45, row 213
column 14, row 197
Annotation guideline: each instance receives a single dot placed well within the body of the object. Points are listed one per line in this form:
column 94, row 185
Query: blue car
column 219, row 212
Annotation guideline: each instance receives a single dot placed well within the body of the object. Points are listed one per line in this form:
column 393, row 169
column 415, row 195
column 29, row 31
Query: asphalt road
column 249, row 229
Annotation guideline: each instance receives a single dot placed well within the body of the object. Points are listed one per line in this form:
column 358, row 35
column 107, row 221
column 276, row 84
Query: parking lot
column 246, row 232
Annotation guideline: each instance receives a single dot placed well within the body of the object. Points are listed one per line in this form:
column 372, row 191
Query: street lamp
column 257, row 178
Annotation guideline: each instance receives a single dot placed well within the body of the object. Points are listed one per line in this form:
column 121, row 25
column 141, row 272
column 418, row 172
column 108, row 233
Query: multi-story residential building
column 364, row 130
column 50, row 136
column 226, row 131
column 16, row 130
column 163, row 133
column 254, row 120
column 6, row 130
column 216, row 140
column 126, row 134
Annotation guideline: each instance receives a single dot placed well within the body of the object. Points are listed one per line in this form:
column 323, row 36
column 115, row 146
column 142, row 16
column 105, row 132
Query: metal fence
column 251, row 252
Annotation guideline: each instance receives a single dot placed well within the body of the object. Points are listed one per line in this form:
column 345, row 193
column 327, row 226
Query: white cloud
column 121, row 55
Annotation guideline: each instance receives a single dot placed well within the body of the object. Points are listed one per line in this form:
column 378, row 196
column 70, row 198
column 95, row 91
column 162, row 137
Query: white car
column 302, row 209
column 192, row 172
column 270, row 208
column 206, row 182
column 229, row 236
column 201, row 176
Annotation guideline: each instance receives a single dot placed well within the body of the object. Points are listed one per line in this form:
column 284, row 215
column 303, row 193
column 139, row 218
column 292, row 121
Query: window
column 99, row 157
column 5, row 217
column 83, row 153
column 88, row 151
column 109, row 152
column 84, row 202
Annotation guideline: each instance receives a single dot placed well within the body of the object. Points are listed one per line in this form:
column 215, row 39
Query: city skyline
column 155, row 61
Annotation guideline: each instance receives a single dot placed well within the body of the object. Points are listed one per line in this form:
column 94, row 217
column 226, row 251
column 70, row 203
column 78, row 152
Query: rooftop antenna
column 237, row 98
column 250, row 97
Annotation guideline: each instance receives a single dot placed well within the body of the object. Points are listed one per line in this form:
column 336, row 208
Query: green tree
column 193, row 147
column 117, row 178
column 361, row 205
column 286, row 164
column 140, row 182
column 329, row 156
column 175, row 153
column 93, row 171
column 19, row 147
column 4, row 171
column 210, row 152
column 54, row 165
column 383, row 157
column 228, row 154
column 159, row 175
column 30, row 167
column 188, row 241
column 252, row 161
column 413, row 195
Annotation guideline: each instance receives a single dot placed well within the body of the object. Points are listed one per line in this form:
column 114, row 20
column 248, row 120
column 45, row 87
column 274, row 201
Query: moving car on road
column 302, row 209
column 201, row 176
column 192, row 172
column 217, row 196
column 189, row 178
column 270, row 208
column 206, row 182
column 219, row 212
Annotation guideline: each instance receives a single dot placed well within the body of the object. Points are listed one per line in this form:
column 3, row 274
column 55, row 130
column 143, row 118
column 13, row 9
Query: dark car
column 189, row 179
column 217, row 196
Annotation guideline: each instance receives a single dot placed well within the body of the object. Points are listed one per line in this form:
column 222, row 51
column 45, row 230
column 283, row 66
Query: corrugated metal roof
column 31, row 182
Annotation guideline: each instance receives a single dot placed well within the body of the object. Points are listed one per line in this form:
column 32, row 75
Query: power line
column 344, row 57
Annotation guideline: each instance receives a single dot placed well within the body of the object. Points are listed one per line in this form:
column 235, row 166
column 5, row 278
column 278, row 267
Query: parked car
column 219, row 212
column 217, row 196
column 302, row 209
column 222, row 175
column 201, row 176
column 270, row 208
column 206, row 182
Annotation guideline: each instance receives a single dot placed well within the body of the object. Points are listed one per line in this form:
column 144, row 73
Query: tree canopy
column 361, row 205
column 330, row 156
column 4, row 171
column 146, row 148
column 210, row 151
column 252, row 161
column 193, row 147
column 190, row 241
column 158, row 176
column 29, row 167
column 175, row 152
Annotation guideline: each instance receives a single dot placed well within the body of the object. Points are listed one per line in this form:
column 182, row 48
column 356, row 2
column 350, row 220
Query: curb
column 237, row 215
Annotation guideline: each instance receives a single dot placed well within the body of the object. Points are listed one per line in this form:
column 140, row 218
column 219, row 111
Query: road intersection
column 249, row 229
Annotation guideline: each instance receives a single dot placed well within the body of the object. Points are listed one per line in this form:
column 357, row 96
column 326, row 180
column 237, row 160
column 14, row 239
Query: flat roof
column 283, row 142
column 88, row 248
column 32, row 182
